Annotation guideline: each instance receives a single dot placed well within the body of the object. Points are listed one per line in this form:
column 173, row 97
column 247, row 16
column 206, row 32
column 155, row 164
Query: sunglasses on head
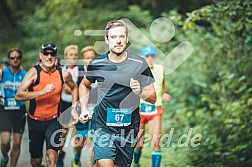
column 13, row 57
column 51, row 53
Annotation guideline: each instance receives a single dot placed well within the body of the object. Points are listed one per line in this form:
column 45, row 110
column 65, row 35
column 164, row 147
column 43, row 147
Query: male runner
column 123, row 78
column 42, row 85
column 151, row 113
column 12, row 113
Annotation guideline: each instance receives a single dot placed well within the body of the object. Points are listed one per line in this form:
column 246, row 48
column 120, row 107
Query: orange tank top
column 46, row 106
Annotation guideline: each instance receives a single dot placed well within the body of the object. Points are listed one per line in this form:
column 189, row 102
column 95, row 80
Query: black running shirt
column 117, row 106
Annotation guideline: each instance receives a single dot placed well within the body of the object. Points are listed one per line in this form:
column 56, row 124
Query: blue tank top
column 9, row 86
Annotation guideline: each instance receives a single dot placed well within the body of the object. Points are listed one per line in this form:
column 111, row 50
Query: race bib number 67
column 119, row 116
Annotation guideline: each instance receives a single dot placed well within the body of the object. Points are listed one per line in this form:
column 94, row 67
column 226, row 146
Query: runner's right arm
column 84, row 88
column 29, row 79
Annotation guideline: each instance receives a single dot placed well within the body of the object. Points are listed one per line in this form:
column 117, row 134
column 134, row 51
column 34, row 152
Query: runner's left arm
column 147, row 93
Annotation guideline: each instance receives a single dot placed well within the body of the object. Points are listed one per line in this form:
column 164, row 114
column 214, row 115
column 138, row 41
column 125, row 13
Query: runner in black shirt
column 123, row 78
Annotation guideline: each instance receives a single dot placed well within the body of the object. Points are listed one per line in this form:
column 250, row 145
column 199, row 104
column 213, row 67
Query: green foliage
column 214, row 84
column 56, row 22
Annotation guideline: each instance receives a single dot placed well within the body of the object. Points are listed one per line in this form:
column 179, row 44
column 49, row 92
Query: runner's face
column 71, row 56
column 48, row 60
column 88, row 56
column 150, row 59
column 117, row 40
column 14, row 59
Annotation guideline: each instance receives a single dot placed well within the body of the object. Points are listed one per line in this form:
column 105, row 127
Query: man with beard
column 12, row 113
column 42, row 85
column 123, row 78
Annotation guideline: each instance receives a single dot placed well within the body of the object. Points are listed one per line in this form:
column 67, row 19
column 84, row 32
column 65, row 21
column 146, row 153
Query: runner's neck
column 117, row 59
column 15, row 70
column 48, row 69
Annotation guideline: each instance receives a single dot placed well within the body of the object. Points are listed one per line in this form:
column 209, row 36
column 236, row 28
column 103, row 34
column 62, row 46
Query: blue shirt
column 9, row 86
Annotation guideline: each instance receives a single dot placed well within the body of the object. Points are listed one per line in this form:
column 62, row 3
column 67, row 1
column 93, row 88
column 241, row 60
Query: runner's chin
column 49, row 64
column 118, row 50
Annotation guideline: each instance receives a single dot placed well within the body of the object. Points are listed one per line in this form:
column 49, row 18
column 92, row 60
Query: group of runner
column 105, row 90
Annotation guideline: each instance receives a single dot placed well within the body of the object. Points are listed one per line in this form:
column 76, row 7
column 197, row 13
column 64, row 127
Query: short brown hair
column 115, row 23
column 17, row 50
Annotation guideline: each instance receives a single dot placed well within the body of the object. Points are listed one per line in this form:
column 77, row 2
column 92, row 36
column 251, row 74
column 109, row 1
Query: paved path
column 24, row 159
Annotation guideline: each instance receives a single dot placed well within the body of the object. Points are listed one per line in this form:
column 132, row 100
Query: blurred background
column 211, row 91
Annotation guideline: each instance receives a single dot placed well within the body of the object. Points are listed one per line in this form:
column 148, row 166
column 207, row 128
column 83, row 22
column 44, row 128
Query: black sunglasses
column 13, row 57
column 151, row 55
column 51, row 53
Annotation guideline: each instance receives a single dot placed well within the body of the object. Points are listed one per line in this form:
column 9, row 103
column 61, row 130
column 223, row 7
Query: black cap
column 49, row 46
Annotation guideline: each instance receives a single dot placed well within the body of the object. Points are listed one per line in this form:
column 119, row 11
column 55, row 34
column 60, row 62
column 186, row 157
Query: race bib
column 148, row 109
column 119, row 117
column 10, row 104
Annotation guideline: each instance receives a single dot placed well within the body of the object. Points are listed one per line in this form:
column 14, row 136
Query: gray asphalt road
column 24, row 159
